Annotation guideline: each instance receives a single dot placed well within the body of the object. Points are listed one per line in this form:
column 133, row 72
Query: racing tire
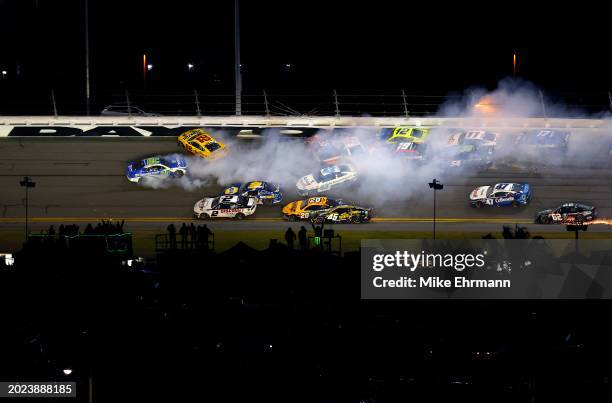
column 292, row 218
column 579, row 220
column 478, row 204
column 515, row 203
column 240, row 216
column 203, row 216
column 179, row 174
column 267, row 202
column 544, row 220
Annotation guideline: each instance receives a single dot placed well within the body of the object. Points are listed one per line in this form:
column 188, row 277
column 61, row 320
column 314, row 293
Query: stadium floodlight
column 67, row 371
column 435, row 185
column 149, row 67
column 190, row 66
column 27, row 183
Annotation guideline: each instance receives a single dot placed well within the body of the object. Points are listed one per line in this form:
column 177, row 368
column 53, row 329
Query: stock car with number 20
column 156, row 167
column 303, row 209
column 344, row 214
column 501, row 195
column 225, row 206
column 567, row 213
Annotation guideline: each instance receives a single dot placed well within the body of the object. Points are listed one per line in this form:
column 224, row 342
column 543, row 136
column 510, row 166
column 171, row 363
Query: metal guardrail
column 330, row 122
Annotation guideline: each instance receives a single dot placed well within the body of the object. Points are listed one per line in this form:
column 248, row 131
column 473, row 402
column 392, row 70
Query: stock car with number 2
column 225, row 206
column 501, row 195
column 303, row 209
column 344, row 214
column 265, row 192
column 567, row 213
column 156, row 167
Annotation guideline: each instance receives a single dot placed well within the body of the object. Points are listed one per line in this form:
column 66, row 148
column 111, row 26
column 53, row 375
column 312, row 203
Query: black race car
column 344, row 214
column 567, row 213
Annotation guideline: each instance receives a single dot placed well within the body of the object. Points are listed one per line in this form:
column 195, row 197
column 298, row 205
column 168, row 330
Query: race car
column 265, row 192
column 539, row 140
column 326, row 179
column 199, row 142
column 410, row 151
column 225, row 207
column 501, row 195
column 330, row 148
column 469, row 155
column 156, row 167
column 303, row 209
column 404, row 134
column 477, row 137
column 343, row 214
column 567, row 213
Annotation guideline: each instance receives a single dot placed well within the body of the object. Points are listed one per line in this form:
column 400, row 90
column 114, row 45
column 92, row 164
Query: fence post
column 54, row 104
column 336, row 103
column 127, row 101
column 543, row 106
column 266, row 103
column 405, row 104
column 197, row 102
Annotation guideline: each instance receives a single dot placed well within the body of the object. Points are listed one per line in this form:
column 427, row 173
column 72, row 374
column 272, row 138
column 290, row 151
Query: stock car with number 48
column 225, row 206
column 567, row 213
column 344, row 214
column 303, row 209
column 501, row 195
column 326, row 179
column 265, row 192
column 156, row 167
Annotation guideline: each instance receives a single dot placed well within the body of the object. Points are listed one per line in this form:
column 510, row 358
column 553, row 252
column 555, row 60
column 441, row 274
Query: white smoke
column 385, row 178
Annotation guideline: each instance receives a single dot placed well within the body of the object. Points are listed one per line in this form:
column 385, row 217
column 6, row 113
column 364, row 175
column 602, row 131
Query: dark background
column 342, row 45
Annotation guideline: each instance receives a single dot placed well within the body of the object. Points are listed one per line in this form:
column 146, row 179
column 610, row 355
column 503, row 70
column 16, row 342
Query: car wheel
column 478, row 205
column 544, row 220
column 239, row 216
column 203, row 216
column 293, row 218
column 515, row 203
column 579, row 220
column 179, row 174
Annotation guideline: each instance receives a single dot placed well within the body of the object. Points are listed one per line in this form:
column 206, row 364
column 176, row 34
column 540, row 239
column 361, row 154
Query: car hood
column 307, row 182
column 479, row 193
column 203, row 204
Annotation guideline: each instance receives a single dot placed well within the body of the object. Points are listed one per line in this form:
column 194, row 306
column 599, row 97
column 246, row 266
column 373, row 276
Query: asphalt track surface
column 81, row 180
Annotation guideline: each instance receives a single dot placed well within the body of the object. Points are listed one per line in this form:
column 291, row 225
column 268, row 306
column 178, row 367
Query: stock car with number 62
column 225, row 206
column 567, row 213
column 344, row 214
column 501, row 195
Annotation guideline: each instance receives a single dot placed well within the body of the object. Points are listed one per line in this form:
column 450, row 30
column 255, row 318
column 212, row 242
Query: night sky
column 346, row 45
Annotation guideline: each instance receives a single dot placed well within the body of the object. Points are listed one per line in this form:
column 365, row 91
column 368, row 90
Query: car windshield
column 138, row 165
column 333, row 202
column 215, row 203
column 327, row 174
column 269, row 187
column 213, row 146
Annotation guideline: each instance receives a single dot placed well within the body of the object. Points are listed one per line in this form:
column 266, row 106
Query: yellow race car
column 199, row 142
column 304, row 209
column 404, row 135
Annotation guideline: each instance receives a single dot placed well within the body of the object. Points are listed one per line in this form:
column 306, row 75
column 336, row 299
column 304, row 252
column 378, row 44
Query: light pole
column 435, row 185
column 238, row 76
column 27, row 183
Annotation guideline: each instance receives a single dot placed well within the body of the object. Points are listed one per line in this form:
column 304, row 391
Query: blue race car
column 542, row 140
column 501, row 195
column 156, row 167
column 265, row 192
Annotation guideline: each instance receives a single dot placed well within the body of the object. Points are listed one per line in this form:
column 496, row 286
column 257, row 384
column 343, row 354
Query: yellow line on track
column 261, row 219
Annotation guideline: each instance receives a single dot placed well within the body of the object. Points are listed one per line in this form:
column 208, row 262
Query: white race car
column 325, row 179
column 225, row 207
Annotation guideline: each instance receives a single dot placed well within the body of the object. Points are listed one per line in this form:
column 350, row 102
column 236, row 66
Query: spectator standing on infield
column 290, row 237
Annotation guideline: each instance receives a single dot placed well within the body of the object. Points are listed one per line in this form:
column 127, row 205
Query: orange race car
column 199, row 142
column 304, row 209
